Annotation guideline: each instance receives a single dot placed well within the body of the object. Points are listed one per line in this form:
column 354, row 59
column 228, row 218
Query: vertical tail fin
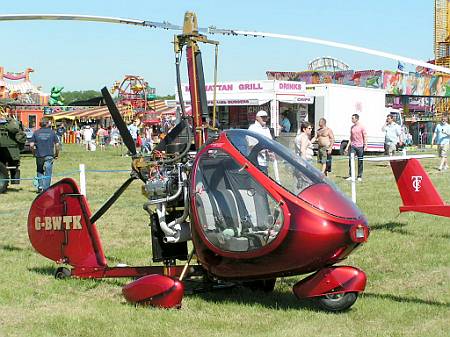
column 414, row 184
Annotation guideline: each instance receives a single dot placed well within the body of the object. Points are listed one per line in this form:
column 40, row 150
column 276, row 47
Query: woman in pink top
column 357, row 145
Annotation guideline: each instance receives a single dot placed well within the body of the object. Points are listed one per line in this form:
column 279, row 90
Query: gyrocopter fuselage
column 249, row 225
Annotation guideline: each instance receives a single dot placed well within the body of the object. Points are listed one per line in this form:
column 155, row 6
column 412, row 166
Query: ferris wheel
column 132, row 91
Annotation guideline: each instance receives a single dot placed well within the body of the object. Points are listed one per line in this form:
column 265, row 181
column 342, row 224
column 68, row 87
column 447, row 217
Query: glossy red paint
column 417, row 190
column 59, row 227
column 125, row 271
column 333, row 280
column 316, row 232
column 156, row 290
column 324, row 198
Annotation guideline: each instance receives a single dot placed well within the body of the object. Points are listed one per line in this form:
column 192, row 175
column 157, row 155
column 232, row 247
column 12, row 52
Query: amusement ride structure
column 133, row 91
column 18, row 87
column 442, row 33
column 327, row 63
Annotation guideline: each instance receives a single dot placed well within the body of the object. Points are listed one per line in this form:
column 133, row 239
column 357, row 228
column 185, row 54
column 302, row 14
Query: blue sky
column 83, row 56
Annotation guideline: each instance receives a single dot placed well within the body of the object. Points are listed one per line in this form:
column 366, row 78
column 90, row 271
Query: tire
column 4, row 178
column 342, row 148
column 337, row 302
column 62, row 273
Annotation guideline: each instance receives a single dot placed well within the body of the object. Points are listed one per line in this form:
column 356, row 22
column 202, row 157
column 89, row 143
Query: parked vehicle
column 337, row 103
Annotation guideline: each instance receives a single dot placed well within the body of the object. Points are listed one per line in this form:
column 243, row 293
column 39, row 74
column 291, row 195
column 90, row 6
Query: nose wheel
column 337, row 302
column 62, row 273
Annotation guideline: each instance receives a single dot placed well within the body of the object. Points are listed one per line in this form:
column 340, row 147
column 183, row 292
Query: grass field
column 407, row 261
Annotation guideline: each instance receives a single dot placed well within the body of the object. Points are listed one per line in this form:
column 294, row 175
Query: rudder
column 414, row 184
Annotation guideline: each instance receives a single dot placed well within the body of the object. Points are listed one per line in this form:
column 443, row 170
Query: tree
column 84, row 95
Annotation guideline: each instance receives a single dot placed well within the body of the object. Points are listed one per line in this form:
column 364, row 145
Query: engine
column 161, row 182
column 166, row 188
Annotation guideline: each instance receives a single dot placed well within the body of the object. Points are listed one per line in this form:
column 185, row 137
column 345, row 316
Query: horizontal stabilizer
column 441, row 210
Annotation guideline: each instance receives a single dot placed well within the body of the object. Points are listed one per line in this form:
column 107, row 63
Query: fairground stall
column 238, row 102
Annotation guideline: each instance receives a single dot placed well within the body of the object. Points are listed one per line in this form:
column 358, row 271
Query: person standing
column 285, row 122
column 102, row 135
column 325, row 140
column 45, row 147
column 60, row 131
column 260, row 126
column 441, row 137
column 87, row 137
column 303, row 142
column 133, row 128
column 392, row 135
column 357, row 145
column 114, row 136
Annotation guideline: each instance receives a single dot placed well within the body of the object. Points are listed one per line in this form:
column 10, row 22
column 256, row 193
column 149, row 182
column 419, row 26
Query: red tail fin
column 416, row 188
column 59, row 227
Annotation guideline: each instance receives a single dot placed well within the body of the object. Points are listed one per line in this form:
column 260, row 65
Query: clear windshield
column 235, row 212
column 278, row 162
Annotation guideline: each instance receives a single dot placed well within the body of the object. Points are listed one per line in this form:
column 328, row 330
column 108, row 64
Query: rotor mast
column 199, row 103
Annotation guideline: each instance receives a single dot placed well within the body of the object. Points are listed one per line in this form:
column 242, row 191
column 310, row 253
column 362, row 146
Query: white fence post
column 352, row 175
column 82, row 179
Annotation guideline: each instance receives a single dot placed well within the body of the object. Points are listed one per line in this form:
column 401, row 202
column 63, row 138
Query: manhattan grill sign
column 254, row 92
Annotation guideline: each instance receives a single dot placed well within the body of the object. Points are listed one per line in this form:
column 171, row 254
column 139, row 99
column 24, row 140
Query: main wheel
column 4, row 178
column 337, row 302
column 62, row 273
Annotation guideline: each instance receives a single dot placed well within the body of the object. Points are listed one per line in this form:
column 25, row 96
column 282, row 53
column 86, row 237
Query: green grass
column 407, row 261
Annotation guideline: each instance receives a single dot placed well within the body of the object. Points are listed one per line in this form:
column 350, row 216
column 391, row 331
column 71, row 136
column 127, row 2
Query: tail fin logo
column 416, row 182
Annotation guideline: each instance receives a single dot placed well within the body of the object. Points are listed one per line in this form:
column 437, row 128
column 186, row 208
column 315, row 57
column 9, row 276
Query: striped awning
column 101, row 112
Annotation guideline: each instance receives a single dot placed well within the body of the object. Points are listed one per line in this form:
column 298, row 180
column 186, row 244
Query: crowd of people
column 98, row 137
column 394, row 141
column 46, row 142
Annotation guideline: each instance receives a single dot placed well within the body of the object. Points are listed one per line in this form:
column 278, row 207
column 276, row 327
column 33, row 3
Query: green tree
column 83, row 95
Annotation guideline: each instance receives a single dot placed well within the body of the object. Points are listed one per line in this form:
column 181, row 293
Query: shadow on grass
column 43, row 270
column 397, row 227
column 443, row 236
column 402, row 299
column 14, row 190
column 10, row 248
column 393, row 227
column 93, row 282
column 278, row 300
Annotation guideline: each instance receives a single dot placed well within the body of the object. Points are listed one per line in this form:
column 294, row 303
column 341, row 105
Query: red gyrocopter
column 247, row 227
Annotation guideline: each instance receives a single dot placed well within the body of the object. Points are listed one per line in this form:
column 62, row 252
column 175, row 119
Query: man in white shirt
column 392, row 135
column 87, row 137
column 441, row 137
column 260, row 126
column 134, row 129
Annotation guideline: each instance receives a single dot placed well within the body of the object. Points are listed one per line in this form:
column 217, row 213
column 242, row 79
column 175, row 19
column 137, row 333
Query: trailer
column 337, row 103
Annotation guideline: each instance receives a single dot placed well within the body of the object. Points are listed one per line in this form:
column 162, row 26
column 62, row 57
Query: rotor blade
column 213, row 30
column 92, row 18
column 120, row 123
column 111, row 200
column 374, row 52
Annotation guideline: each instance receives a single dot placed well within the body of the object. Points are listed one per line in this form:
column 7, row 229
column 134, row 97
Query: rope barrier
column 64, row 174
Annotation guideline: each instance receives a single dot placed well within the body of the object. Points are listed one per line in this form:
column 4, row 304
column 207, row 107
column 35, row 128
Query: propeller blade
column 120, row 123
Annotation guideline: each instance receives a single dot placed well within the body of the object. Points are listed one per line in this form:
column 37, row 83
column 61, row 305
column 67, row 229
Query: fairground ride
column 441, row 33
column 441, row 44
column 134, row 91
